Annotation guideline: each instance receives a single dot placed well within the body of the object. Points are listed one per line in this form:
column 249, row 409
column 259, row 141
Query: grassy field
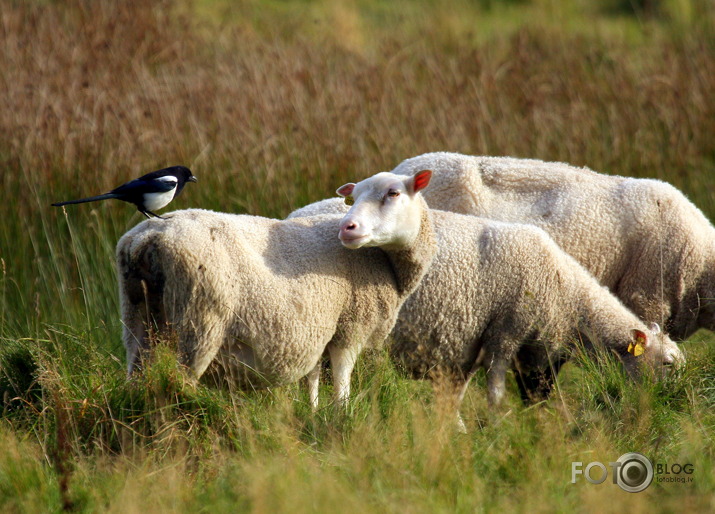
column 273, row 105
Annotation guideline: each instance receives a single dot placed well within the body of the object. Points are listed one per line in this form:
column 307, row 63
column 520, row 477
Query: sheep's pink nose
column 350, row 230
column 349, row 226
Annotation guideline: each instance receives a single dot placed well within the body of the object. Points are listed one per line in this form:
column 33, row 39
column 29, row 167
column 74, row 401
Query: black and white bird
column 149, row 192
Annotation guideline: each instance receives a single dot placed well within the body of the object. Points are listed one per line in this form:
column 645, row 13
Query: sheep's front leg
column 496, row 378
column 342, row 361
column 313, row 379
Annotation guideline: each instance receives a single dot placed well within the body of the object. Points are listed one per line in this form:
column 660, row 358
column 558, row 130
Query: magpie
column 149, row 192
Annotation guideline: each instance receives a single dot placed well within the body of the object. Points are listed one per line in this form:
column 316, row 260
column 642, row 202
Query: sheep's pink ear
column 346, row 190
column 640, row 337
column 639, row 342
column 421, row 180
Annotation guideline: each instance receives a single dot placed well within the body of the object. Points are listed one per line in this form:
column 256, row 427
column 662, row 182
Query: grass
column 274, row 105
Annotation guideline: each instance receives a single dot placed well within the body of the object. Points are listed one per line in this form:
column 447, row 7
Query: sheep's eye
column 393, row 193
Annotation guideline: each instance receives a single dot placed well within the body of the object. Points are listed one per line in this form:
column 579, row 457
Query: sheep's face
column 385, row 210
column 659, row 353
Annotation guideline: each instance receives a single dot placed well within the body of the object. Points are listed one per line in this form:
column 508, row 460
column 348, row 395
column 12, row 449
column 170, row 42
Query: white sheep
column 258, row 301
column 639, row 237
column 496, row 294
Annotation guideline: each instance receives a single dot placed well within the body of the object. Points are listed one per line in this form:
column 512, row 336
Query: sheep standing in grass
column 497, row 295
column 258, row 301
column 639, row 237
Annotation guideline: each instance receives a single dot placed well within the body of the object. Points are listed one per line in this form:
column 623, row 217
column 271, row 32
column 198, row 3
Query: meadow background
column 274, row 104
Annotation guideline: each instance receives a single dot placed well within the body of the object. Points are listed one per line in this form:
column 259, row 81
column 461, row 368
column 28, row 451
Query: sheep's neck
column 410, row 264
column 606, row 321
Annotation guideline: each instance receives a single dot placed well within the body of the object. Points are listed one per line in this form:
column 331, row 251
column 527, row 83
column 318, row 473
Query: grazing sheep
column 639, row 237
column 257, row 301
column 499, row 294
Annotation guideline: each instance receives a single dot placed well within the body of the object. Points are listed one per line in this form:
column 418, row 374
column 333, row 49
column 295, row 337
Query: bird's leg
column 153, row 214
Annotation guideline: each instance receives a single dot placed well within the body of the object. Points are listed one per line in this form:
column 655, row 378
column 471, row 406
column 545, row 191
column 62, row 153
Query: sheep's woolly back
column 257, row 299
column 322, row 207
column 640, row 237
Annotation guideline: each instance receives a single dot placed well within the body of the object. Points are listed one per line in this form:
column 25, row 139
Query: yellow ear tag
column 638, row 347
column 349, row 200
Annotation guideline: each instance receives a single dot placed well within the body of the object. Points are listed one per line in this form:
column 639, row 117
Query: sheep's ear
column 655, row 328
column 420, row 180
column 639, row 342
column 346, row 190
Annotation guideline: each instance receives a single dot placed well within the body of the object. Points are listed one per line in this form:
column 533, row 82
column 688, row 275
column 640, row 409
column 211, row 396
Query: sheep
column 255, row 302
column 641, row 238
column 499, row 294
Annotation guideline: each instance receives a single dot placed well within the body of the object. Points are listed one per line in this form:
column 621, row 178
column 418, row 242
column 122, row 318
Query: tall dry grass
column 98, row 91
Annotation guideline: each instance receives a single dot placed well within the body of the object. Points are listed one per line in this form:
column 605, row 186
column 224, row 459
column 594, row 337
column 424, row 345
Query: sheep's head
column 654, row 350
column 385, row 212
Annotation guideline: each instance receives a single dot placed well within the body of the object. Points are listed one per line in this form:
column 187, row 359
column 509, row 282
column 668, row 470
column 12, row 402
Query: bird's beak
column 192, row 179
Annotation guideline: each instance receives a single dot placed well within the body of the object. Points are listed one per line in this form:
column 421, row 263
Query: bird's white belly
column 155, row 201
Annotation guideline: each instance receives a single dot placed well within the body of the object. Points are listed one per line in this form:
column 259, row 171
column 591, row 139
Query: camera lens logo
column 633, row 472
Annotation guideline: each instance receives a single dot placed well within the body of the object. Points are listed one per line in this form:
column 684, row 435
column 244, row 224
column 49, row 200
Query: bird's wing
column 143, row 185
column 164, row 172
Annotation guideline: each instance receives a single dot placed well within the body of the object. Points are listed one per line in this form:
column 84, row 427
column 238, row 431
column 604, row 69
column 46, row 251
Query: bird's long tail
column 105, row 196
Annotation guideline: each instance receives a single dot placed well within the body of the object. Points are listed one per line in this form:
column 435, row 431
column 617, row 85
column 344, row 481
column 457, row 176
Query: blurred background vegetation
column 273, row 104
